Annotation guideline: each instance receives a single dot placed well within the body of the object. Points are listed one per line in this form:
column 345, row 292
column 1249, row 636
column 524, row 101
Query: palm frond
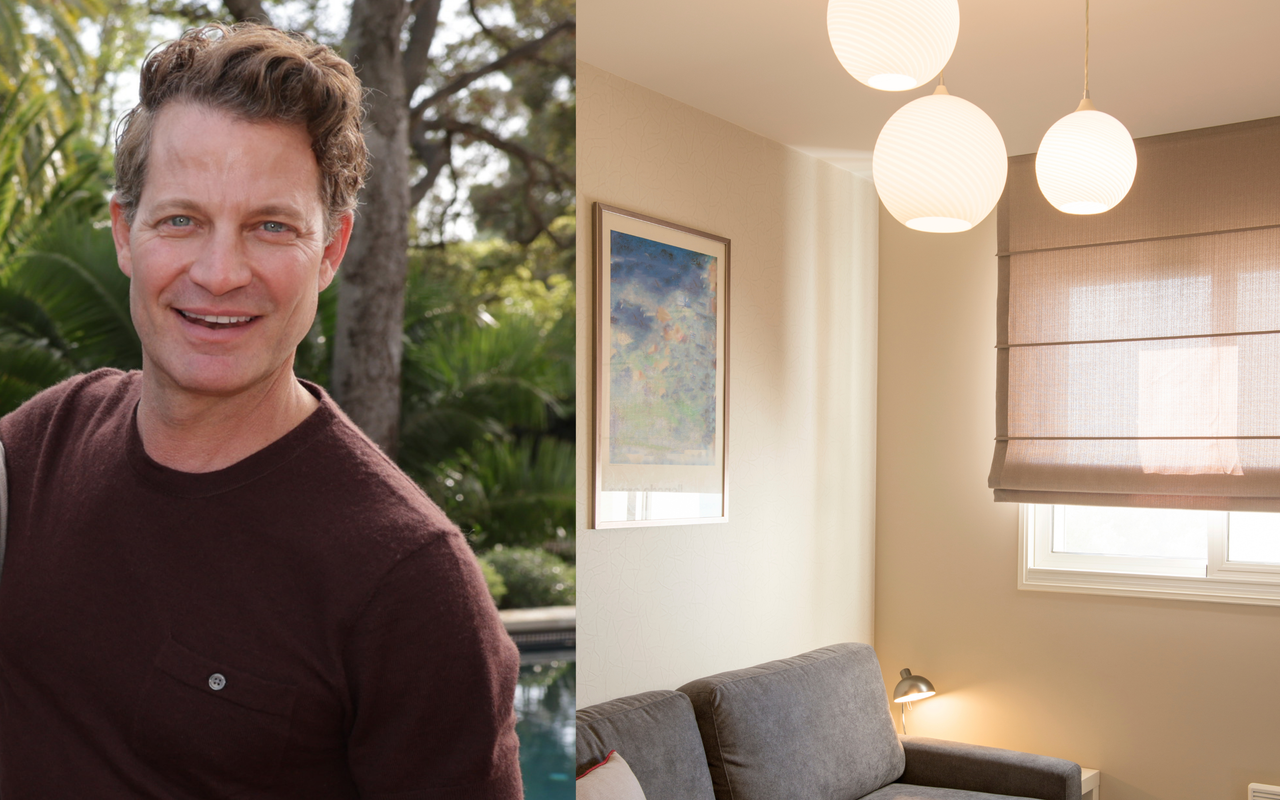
column 74, row 277
column 471, row 381
column 26, row 368
column 21, row 318
column 511, row 493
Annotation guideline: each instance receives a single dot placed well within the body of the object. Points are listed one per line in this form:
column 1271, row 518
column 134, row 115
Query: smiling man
column 214, row 584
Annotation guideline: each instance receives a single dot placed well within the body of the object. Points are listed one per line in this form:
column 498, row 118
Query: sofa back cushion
column 657, row 735
column 815, row 726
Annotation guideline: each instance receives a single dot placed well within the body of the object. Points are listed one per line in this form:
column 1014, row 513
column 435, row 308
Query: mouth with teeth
column 215, row 321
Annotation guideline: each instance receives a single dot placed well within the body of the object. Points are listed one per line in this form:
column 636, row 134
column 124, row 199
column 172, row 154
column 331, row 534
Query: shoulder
column 419, row 575
column 372, row 479
column 374, row 512
column 76, row 402
column 89, row 388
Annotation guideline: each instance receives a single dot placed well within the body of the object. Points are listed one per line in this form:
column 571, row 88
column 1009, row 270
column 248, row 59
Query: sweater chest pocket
column 209, row 726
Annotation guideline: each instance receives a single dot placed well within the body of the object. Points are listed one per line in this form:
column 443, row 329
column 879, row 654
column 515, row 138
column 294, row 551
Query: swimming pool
column 545, row 724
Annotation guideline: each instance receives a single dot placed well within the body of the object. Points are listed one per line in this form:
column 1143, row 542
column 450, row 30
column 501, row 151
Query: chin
column 215, row 376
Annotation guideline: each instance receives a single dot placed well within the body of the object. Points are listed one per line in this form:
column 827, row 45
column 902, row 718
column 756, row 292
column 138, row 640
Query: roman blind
column 1138, row 351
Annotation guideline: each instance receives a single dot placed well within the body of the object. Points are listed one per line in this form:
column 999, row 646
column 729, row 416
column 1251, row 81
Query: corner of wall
column 793, row 569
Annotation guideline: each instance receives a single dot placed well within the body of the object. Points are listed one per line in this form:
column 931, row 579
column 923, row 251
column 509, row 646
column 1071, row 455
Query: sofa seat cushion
column 905, row 791
column 657, row 735
column 815, row 726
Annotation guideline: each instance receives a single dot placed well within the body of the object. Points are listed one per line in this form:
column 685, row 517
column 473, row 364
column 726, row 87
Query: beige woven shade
column 1139, row 349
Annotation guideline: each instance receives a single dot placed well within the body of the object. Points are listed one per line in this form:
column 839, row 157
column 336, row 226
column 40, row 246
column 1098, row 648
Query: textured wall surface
column 1038, row 671
column 793, row 568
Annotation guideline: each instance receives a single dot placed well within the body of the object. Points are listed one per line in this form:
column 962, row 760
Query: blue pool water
column 544, row 723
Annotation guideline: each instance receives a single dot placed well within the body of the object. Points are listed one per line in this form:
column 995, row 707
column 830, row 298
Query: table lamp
column 911, row 687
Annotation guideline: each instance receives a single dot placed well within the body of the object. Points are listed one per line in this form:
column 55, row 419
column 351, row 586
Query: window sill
column 1249, row 589
column 1212, row 590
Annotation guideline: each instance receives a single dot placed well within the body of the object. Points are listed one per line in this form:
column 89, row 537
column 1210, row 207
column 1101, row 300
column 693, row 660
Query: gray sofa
column 813, row 727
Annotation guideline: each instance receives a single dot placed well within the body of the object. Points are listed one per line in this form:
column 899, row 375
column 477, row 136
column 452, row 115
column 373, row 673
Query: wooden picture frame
column 661, row 359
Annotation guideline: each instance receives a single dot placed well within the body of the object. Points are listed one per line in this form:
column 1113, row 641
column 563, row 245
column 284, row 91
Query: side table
column 1089, row 781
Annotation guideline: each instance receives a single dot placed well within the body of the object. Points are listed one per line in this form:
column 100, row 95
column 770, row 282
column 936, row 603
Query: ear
column 120, row 233
column 336, row 249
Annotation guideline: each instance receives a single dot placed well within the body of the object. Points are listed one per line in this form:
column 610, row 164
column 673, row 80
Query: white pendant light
column 939, row 164
column 893, row 45
column 1086, row 161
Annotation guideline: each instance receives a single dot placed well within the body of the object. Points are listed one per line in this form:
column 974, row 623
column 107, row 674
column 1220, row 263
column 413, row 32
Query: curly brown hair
column 257, row 73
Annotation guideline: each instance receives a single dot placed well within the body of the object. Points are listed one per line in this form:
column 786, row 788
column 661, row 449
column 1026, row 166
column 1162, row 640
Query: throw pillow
column 611, row 779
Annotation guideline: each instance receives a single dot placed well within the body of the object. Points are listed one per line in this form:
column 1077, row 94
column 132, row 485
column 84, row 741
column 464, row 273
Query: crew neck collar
column 206, row 484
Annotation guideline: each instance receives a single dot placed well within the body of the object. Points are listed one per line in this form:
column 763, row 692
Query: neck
column 200, row 433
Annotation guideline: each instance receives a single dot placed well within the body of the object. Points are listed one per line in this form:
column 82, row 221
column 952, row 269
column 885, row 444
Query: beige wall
column 792, row 569
column 1172, row 700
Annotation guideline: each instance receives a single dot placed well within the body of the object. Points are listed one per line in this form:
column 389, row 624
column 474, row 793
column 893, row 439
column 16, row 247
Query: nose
column 223, row 265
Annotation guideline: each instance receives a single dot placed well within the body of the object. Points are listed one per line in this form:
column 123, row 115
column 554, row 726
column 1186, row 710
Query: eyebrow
column 278, row 211
column 176, row 204
column 181, row 204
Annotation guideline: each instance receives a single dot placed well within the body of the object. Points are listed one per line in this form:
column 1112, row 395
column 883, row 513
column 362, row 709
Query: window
column 1138, row 374
column 1221, row 556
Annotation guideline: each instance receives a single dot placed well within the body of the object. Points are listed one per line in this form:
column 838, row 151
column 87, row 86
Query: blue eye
column 180, row 221
column 275, row 227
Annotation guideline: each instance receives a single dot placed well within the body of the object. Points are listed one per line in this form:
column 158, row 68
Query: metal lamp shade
column 912, row 687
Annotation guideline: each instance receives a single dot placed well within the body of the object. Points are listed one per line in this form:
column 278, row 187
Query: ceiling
column 1156, row 65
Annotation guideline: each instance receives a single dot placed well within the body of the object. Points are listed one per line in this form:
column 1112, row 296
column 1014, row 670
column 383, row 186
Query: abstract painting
column 661, row 369
column 662, row 353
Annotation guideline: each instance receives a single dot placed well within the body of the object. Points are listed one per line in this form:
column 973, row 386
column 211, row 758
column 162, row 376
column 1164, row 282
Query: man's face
column 226, row 253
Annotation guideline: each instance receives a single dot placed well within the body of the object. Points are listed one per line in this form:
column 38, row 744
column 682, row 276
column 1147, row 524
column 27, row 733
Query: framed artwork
column 661, row 372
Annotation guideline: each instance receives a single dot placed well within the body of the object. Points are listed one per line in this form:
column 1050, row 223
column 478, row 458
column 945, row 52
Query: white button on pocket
column 200, row 716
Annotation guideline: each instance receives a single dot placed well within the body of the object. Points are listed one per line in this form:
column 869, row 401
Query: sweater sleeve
column 432, row 675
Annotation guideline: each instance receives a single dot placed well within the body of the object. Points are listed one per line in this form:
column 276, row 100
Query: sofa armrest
column 971, row 767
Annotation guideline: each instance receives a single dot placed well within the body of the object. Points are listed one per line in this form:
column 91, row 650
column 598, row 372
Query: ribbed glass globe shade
column 939, row 164
column 893, row 45
column 1086, row 162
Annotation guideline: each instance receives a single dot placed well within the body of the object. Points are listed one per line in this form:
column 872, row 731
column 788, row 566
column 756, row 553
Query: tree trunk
column 370, row 323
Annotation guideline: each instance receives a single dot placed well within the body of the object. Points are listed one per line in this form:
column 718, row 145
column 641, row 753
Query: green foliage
column 488, row 387
column 314, row 356
column 40, row 38
column 476, row 400
column 54, row 106
column 496, row 275
column 511, row 492
column 519, row 120
column 63, row 302
column 64, row 309
column 74, row 277
column 43, row 173
column 470, row 381
column 493, row 580
column 534, row 577
column 121, row 36
column 538, row 185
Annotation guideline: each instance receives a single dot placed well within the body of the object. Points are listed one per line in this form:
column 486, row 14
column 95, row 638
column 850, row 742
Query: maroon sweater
column 302, row 624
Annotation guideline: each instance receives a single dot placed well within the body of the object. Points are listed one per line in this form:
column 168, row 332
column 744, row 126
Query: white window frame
column 1213, row 579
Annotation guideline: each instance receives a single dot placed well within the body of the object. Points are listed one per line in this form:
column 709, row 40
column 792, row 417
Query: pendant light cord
column 1086, row 48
